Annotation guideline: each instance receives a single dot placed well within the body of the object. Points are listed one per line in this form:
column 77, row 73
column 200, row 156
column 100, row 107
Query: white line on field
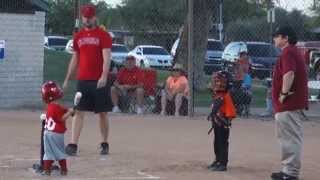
column 143, row 174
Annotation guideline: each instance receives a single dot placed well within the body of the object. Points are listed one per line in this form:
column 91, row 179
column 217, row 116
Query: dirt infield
column 153, row 147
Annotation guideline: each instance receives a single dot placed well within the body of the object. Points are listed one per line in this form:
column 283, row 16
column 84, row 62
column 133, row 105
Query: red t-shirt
column 131, row 77
column 290, row 60
column 54, row 116
column 89, row 45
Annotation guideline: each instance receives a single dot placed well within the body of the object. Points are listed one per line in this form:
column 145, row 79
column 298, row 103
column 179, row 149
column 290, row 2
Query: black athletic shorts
column 93, row 99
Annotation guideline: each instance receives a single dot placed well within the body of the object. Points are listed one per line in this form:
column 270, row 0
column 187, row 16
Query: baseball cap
column 88, row 11
column 285, row 31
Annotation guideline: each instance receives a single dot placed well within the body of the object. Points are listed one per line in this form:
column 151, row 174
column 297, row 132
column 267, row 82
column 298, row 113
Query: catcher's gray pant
column 290, row 134
column 53, row 146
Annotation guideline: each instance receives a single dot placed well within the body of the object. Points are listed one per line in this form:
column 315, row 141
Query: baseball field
column 153, row 147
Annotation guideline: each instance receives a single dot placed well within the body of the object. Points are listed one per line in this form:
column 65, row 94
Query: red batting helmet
column 51, row 91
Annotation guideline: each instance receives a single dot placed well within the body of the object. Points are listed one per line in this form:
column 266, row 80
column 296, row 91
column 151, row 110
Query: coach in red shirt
column 290, row 98
column 129, row 81
column 91, row 59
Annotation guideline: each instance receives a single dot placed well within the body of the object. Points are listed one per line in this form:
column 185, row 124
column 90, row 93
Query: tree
column 202, row 19
column 60, row 18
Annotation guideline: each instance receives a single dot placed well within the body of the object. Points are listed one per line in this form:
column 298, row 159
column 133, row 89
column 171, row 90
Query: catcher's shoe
column 104, row 148
column 213, row 165
column 71, row 149
column 282, row 176
column 219, row 167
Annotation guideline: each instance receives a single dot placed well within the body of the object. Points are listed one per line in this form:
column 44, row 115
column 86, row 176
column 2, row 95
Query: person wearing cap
column 242, row 82
column 129, row 82
column 242, row 66
column 91, row 61
column 290, row 99
column 176, row 88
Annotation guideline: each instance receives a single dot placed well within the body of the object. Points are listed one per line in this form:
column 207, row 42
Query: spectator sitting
column 241, row 67
column 129, row 81
column 247, row 82
column 176, row 88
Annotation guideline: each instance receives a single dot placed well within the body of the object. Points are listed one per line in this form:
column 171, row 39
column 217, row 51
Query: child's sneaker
column 46, row 173
column 71, row 149
column 219, row 167
column 282, row 176
column 104, row 148
column 213, row 165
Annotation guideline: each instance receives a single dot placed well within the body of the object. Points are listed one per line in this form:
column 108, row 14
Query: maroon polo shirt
column 290, row 60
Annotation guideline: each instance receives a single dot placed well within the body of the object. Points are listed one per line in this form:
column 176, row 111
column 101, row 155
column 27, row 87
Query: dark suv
column 262, row 56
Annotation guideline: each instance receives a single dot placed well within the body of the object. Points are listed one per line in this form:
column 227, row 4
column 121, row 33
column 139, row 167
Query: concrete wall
column 21, row 70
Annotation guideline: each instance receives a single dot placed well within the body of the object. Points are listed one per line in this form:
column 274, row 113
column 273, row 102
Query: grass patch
column 55, row 69
column 56, row 65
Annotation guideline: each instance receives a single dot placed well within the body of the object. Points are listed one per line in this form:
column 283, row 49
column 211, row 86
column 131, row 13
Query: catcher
column 223, row 111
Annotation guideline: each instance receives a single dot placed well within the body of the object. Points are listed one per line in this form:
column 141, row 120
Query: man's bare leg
column 140, row 97
column 104, row 131
column 163, row 102
column 77, row 124
column 178, row 102
column 104, row 126
column 114, row 96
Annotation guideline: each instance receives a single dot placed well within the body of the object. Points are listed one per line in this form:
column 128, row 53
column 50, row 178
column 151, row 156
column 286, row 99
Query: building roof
column 41, row 5
column 23, row 6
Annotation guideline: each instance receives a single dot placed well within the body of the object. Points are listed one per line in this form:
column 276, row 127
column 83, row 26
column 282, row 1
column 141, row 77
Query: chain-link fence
column 156, row 34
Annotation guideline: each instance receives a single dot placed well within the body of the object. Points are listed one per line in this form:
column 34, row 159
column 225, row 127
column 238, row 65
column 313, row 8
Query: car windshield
column 214, row 46
column 117, row 48
column 57, row 42
column 155, row 51
column 262, row 50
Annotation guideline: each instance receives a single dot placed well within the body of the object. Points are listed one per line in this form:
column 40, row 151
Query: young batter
column 55, row 128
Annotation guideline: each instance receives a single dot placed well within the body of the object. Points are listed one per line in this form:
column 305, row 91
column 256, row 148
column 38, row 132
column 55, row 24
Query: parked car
column 213, row 61
column 69, row 46
column 262, row 56
column 311, row 53
column 119, row 52
column 314, row 61
column 57, row 43
column 151, row 56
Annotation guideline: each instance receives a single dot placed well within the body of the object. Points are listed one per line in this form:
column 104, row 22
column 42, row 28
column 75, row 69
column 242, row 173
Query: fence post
column 190, row 58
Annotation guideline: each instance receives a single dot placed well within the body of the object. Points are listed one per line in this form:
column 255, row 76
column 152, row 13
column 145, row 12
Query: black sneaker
column 104, row 148
column 219, row 167
column 282, row 176
column 71, row 149
column 213, row 165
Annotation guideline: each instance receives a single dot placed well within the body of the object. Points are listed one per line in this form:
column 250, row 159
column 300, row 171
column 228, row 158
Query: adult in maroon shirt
column 290, row 98
column 91, row 59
